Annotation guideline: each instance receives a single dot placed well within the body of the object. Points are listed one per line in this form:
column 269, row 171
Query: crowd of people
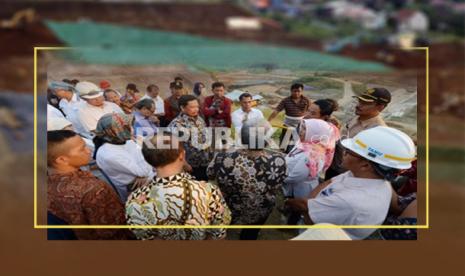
column 137, row 159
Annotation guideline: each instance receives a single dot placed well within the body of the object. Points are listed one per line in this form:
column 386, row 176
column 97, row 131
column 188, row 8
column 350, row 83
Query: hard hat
column 88, row 90
column 57, row 123
column 383, row 145
column 319, row 234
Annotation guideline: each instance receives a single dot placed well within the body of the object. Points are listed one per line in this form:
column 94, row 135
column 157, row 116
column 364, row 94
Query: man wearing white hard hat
column 362, row 195
column 95, row 106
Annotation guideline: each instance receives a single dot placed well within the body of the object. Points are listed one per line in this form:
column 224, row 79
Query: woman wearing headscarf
column 118, row 155
column 310, row 158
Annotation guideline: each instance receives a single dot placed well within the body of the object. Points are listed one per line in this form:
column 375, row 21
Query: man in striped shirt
column 295, row 106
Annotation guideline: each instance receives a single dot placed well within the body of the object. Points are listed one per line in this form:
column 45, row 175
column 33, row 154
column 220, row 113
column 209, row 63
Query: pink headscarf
column 319, row 145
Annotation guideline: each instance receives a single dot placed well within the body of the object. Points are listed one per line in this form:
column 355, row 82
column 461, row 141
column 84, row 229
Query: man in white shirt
column 95, row 106
column 69, row 102
column 53, row 112
column 246, row 113
column 362, row 195
column 153, row 94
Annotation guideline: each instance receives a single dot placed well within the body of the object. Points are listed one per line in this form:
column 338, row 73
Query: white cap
column 57, row 123
column 88, row 90
column 383, row 145
column 320, row 234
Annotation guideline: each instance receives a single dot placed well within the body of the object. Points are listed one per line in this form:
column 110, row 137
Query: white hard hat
column 322, row 234
column 383, row 145
column 57, row 123
column 88, row 90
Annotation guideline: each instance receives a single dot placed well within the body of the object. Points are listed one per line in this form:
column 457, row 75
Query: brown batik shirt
column 80, row 198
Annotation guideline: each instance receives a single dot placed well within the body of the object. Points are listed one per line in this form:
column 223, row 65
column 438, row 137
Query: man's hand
column 154, row 119
column 272, row 116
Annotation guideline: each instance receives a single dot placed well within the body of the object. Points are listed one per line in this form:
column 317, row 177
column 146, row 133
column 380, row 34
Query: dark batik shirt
column 249, row 183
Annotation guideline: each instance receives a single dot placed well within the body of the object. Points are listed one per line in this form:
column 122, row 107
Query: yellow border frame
column 37, row 226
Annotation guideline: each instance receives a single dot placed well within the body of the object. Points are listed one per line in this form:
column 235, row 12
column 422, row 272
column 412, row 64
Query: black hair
column 249, row 131
column 132, row 86
column 152, row 87
column 147, row 103
column 197, row 88
column 161, row 157
column 297, row 86
column 108, row 90
column 217, row 84
column 185, row 99
column 54, row 138
column 58, row 136
column 327, row 106
column 244, row 95
column 178, row 78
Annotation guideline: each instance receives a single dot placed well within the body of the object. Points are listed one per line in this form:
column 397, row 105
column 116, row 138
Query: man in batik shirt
column 78, row 197
column 175, row 198
column 188, row 122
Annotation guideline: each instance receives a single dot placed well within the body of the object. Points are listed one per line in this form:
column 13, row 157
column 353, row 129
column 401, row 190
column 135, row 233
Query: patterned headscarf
column 114, row 128
column 319, row 145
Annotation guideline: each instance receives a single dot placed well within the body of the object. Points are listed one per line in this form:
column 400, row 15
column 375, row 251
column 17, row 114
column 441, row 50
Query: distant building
column 411, row 21
column 368, row 18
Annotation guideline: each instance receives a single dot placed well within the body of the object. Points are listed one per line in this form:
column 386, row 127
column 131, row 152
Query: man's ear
column 61, row 160
column 364, row 165
column 182, row 155
column 380, row 107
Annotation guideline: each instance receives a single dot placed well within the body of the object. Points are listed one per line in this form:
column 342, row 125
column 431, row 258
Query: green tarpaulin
column 99, row 43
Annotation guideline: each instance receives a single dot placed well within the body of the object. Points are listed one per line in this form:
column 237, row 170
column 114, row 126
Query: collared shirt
column 178, row 200
column 122, row 164
column 71, row 110
column 239, row 117
column 89, row 114
column 67, row 106
column 350, row 200
column 80, row 198
column 249, row 183
column 196, row 155
column 292, row 108
column 354, row 126
column 143, row 126
column 159, row 103
column 53, row 112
